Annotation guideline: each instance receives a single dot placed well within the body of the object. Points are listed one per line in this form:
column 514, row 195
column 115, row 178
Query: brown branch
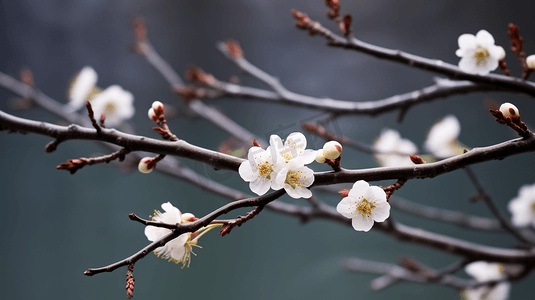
column 73, row 165
column 91, row 115
column 190, row 227
column 433, row 65
column 240, row 220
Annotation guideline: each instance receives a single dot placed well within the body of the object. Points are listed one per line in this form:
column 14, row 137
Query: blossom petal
column 359, row 189
column 467, row 41
column 246, row 172
column 362, row 223
column 304, row 192
column 308, row 156
column 297, row 140
column 381, row 212
column 467, row 64
column 484, row 39
column 260, row 186
column 375, row 194
column 347, row 207
column 292, row 192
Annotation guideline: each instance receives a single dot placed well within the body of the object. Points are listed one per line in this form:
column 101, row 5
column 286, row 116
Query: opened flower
column 523, row 207
column 364, row 205
column 393, row 150
column 296, row 178
column 177, row 250
column 478, row 53
column 116, row 103
column 483, row 271
column 442, row 138
column 293, row 147
column 81, row 88
column 259, row 170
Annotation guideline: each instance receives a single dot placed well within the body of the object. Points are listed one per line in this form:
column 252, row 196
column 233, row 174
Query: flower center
column 265, row 169
column 292, row 179
column 110, row 108
column 533, row 207
column 365, row 207
column 481, row 55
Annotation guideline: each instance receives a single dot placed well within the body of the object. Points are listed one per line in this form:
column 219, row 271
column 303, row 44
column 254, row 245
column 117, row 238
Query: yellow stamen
column 265, row 169
column 365, row 207
column 481, row 55
column 292, row 179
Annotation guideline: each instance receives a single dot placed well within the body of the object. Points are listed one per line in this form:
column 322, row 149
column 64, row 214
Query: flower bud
column 152, row 115
column 502, row 53
column 188, row 218
column 145, row 165
column 319, row 156
column 509, row 110
column 332, row 150
column 530, row 60
column 158, row 107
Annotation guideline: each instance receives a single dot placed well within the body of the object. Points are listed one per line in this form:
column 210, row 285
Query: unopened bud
column 146, row 165
column 158, row 107
column 502, row 53
column 332, row 150
column 188, row 218
column 530, row 60
column 152, row 115
column 509, row 110
column 319, row 156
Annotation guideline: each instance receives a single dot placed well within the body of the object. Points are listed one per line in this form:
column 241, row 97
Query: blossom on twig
column 442, row 138
column 393, row 150
column 483, row 271
column 478, row 53
column 81, row 88
column 259, row 170
column 332, row 150
column 296, row 178
column 115, row 103
column 364, row 205
column 522, row 207
column 177, row 250
column 293, row 147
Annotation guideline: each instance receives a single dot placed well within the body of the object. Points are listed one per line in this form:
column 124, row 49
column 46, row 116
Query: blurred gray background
column 56, row 225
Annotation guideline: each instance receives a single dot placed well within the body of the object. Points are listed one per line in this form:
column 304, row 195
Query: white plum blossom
column 259, row 170
column 523, row 207
column 442, row 138
column 293, row 147
column 116, row 103
column 81, row 88
column 478, row 53
column 506, row 107
column 295, row 178
column 179, row 249
column 484, row 271
column 393, row 150
column 364, row 205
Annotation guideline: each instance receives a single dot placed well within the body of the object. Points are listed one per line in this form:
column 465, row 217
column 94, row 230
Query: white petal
column 347, row 207
column 296, row 140
column 359, row 189
column 375, row 194
column 308, row 156
column 291, row 192
column 484, row 271
column 281, row 177
column 246, row 172
column 468, row 64
column 154, row 233
column 307, row 176
column 381, row 212
column 500, row 291
column 467, row 41
column 260, row 186
column 484, row 39
column 362, row 223
column 304, row 192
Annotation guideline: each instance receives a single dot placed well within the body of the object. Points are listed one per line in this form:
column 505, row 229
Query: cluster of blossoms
column 281, row 165
column 483, row 271
column 116, row 103
column 179, row 249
